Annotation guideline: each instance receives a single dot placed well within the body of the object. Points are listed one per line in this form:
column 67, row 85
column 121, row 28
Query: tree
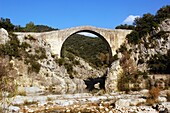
column 6, row 24
column 163, row 13
column 125, row 26
column 145, row 24
column 30, row 27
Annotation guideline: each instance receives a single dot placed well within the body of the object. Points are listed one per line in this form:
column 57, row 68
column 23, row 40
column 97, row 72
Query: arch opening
column 95, row 50
column 76, row 38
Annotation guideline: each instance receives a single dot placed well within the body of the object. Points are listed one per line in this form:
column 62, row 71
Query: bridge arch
column 92, row 32
column 112, row 37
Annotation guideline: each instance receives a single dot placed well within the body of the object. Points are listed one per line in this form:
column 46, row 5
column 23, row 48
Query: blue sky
column 70, row 13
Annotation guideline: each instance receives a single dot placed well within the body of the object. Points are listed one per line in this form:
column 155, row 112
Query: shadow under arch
column 92, row 32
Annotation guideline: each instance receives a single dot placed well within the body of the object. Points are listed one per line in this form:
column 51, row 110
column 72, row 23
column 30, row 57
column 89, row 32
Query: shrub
column 123, row 83
column 163, row 13
column 7, row 79
column 141, row 61
column 60, row 61
column 35, row 67
column 153, row 95
column 168, row 96
column 76, row 62
column 114, row 58
column 133, row 37
column 69, row 68
column 122, row 48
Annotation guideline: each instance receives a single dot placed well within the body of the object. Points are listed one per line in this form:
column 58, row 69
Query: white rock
column 162, row 99
column 13, row 109
column 123, row 102
column 3, row 36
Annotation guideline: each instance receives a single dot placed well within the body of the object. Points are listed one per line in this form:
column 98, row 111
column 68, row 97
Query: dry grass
column 168, row 96
column 154, row 93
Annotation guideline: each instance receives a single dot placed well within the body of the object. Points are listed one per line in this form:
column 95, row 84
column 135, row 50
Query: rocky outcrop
column 3, row 36
column 113, row 74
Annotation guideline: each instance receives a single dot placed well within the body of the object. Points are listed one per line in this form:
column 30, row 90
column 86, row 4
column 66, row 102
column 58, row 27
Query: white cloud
column 87, row 34
column 130, row 19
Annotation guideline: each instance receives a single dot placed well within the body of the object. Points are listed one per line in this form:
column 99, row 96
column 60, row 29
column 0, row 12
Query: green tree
column 163, row 13
column 145, row 24
column 6, row 24
column 125, row 26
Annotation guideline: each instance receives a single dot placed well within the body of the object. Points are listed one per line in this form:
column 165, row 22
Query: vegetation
column 6, row 24
column 154, row 93
column 6, row 78
column 159, row 64
column 93, row 50
column 14, row 49
column 145, row 24
column 125, row 26
column 30, row 27
column 130, row 74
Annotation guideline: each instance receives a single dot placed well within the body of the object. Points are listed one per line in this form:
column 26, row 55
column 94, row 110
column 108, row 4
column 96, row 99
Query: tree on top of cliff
column 6, row 24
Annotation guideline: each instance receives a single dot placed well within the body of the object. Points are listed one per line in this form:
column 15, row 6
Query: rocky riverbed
column 116, row 102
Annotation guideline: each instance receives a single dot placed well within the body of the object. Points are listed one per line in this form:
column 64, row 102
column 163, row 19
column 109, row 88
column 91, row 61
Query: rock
column 3, row 36
column 71, row 86
column 112, row 76
column 32, row 90
column 160, row 108
column 123, row 102
column 80, row 85
column 162, row 99
column 97, row 85
column 13, row 109
column 166, row 105
column 165, row 25
column 138, row 101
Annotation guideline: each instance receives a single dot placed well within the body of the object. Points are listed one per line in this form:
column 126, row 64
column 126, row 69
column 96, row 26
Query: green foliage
column 159, row 63
column 40, row 53
column 87, row 48
column 163, row 13
column 147, row 23
column 11, row 48
column 25, row 45
column 69, row 68
column 35, row 66
column 160, row 34
column 7, row 83
column 123, row 83
column 30, row 27
column 29, row 37
column 32, row 59
column 133, row 37
column 60, row 61
column 6, row 24
column 125, row 26
column 114, row 58
column 122, row 48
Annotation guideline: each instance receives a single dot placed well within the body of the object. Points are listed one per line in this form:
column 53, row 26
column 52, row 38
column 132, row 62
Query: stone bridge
column 113, row 37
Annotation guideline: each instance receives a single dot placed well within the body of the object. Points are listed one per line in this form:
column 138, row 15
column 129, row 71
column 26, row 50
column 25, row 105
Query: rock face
column 3, row 36
column 113, row 74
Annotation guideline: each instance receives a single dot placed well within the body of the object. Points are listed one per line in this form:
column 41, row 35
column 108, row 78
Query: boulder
column 3, row 36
